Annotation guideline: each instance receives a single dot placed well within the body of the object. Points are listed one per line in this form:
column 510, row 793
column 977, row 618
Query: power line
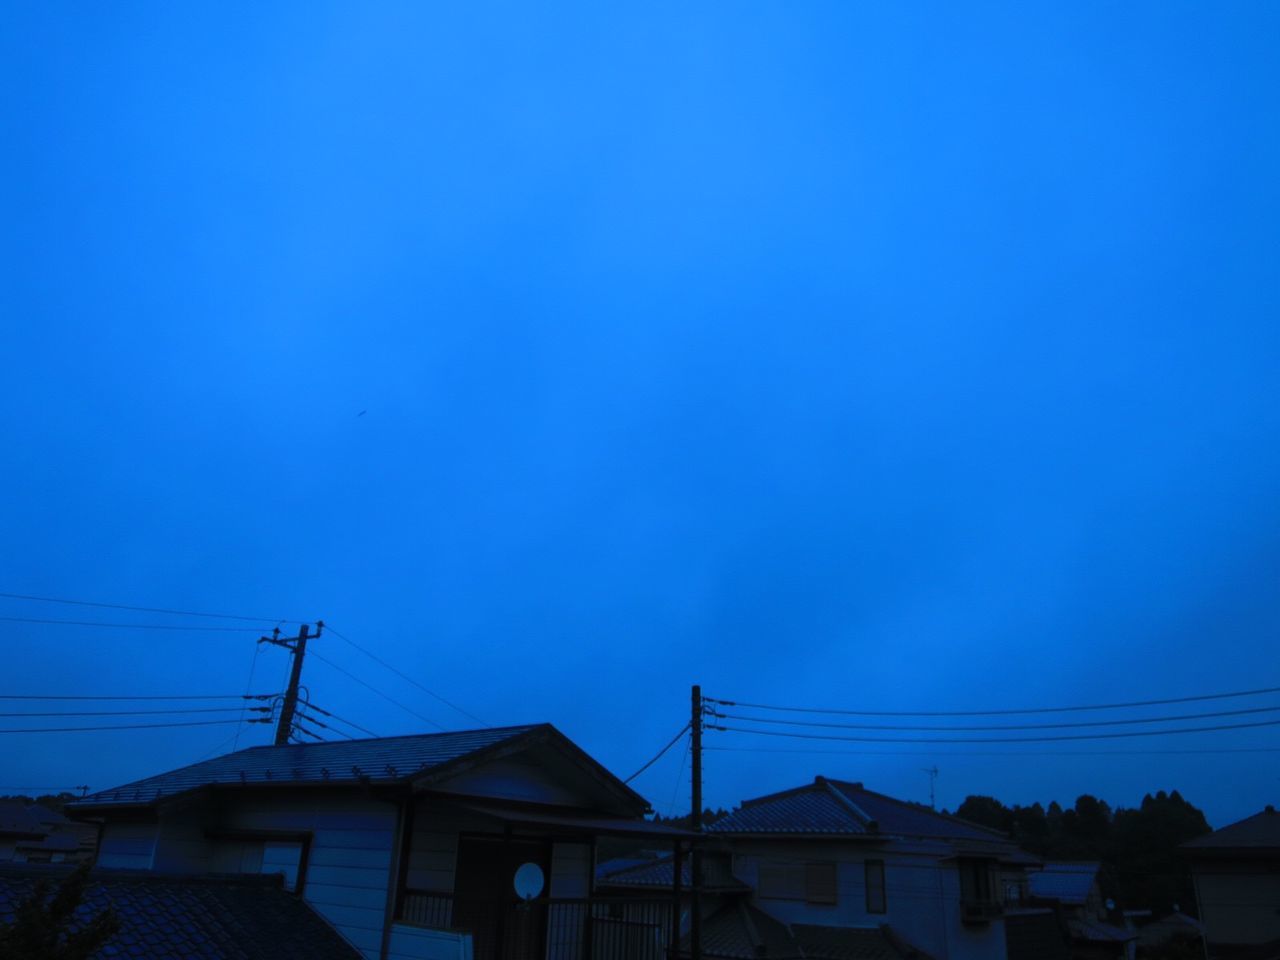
column 1014, row 726
column 123, row 606
column 188, row 696
column 992, row 753
column 132, row 713
column 1057, row 737
column 671, row 807
column 322, row 725
column 404, row 676
column 994, row 713
column 125, row 726
column 658, row 756
column 171, row 627
column 384, row 696
column 311, row 706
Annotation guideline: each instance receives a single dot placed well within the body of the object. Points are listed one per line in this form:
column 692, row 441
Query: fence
column 598, row 928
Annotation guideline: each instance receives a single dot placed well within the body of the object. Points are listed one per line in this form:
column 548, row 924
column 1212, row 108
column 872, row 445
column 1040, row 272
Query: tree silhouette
column 46, row 926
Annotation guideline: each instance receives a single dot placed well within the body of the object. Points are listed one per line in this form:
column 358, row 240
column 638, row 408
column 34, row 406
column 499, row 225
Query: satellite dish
column 528, row 881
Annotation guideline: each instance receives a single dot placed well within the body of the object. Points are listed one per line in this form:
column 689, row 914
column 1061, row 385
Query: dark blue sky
column 902, row 357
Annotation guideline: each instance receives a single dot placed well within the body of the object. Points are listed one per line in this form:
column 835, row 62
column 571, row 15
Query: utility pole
column 298, row 648
column 695, row 856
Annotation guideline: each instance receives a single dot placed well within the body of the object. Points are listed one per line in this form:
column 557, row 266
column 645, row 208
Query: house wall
column 922, row 896
column 348, row 866
column 1239, row 902
column 128, row 846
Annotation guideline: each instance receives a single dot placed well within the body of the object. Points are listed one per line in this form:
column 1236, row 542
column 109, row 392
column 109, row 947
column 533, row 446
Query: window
column 265, row 856
column 820, row 883
column 813, row 882
column 976, row 881
column 874, row 872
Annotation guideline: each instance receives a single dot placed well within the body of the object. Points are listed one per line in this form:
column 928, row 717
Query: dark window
column 820, row 883
column 874, row 871
column 976, row 881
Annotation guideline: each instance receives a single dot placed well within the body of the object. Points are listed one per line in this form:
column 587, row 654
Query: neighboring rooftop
column 739, row 931
column 1259, row 832
column 836, row 807
column 199, row 918
column 18, row 819
column 377, row 760
column 1063, row 882
column 660, row 872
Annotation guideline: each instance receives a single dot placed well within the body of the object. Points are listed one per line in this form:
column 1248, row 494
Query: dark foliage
column 1137, row 847
column 685, row 822
column 45, row 925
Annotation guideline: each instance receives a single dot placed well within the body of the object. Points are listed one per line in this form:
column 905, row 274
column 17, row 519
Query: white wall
column 128, row 846
column 922, row 896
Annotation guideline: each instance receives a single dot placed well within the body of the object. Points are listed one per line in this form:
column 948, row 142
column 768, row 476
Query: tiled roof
column 1098, row 932
column 379, row 760
column 838, row 807
column 739, row 931
column 1063, row 882
column 17, row 818
column 197, row 918
column 661, row 873
column 853, row 943
column 1261, row 831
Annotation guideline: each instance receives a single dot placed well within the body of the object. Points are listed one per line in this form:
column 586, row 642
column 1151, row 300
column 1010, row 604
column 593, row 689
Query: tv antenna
column 933, row 780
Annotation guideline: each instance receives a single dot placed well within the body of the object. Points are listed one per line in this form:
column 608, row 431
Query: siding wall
column 1240, row 903
column 128, row 846
column 348, row 868
column 922, row 896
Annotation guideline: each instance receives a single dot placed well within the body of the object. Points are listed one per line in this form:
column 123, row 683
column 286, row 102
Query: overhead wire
column 329, row 713
column 1042, row 739
column 187, row 696
column 1129, row 721
column 658, row 755
column 990, row 753
column 125, row 726
column 404, row 676
column 125, row 606
column 1001, row 712
column 172, row 627
column 134, row 713
column 374, row 689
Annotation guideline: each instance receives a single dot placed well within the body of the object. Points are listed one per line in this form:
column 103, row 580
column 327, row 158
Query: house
column 850, row 873
column 1073, row 891
column 476, row 844
column 31, row 833
column 196, row 918
column 1237, row 878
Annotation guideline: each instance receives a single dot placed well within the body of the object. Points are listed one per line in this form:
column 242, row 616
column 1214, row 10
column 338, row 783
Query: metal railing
column 549, row 928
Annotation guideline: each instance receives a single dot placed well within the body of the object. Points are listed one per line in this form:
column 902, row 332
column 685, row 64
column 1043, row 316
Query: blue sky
column 862, row 355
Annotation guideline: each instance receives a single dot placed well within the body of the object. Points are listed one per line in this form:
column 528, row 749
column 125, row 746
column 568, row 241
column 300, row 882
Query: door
column 485, row 902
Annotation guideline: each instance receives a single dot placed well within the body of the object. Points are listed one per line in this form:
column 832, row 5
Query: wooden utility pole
column 695, row 855
column 298, row 648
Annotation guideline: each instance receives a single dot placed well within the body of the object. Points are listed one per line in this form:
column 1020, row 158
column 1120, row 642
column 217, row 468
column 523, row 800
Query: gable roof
column 1063, row 882
column 377, row 760
column 202, row 918
column 839, row 808
column 1256, row 833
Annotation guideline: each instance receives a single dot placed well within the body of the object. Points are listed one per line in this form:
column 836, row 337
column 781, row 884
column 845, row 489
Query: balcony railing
column 598, row 928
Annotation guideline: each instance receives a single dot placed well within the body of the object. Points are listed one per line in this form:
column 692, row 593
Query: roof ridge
column 866, row 819
column 399, row 736
column 789, row 792
column 921, row 808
